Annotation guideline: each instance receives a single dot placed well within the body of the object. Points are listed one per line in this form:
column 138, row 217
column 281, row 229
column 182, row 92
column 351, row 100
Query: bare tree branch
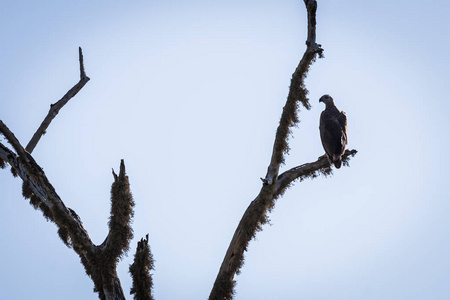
column 99, row 261
column 50, row 203
column 251, row 222
column 321, row 166
column 6, row 155
column 82, row 70
column 99, row 264
column 11, row 138
column 54, row 108
column 37, row 187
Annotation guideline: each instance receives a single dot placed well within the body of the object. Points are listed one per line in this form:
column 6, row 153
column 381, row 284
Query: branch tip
column 114, row 174
column 122, row 168
column 82, row 71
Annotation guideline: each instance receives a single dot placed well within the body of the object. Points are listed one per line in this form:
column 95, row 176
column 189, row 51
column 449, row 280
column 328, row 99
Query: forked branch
column 273, row 185
column 297, row 93
column 99, row 261
column 54, row 108
column 120, row 232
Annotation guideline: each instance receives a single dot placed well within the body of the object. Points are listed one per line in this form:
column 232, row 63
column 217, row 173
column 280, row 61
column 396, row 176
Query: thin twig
column 54, row 108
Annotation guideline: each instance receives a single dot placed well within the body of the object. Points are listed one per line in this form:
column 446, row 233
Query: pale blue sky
column 189, row 94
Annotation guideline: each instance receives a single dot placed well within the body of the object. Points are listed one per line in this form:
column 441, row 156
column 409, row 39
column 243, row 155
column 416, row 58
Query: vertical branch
column 122, row 203
column 82, row 71
column 120, row 233
column 140, row 271
column 54, row 108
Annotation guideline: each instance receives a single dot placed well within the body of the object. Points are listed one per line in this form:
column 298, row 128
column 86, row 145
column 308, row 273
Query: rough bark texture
column 273, row 185
column 140, row 271
column 99, row 261
column 309, row 170
column 115, row 292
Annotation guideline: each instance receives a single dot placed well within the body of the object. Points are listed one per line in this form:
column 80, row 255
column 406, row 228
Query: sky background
column 190, row 93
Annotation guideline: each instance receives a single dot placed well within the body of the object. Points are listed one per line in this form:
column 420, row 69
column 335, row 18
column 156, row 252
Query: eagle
column 333, row 131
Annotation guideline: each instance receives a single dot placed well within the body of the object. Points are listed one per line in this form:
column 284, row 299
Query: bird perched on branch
column 333, row 130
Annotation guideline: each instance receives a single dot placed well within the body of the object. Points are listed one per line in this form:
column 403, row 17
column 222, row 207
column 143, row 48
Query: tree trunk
column 116, row 293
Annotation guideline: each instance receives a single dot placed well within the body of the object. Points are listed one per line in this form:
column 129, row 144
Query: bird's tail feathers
column 338, row 163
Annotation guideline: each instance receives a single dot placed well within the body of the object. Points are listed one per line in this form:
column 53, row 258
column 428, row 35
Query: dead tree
column 100, row 261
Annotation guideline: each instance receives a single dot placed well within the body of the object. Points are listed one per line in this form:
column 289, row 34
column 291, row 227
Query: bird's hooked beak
column 325, row 98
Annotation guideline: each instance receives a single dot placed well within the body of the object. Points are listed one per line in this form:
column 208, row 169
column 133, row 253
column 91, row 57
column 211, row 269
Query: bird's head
column 327, row 99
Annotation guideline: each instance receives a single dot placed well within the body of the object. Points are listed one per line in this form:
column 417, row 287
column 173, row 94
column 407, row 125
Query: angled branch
column 251, row 222
column 140, row 271
column 98, row 261
column 321, row 166
column 118, row 239
column 82, row 70
column 255, row 216
column 42, row 194
column 54, row 108
column 297, row 92
column 32, row 188
column 11, row 138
